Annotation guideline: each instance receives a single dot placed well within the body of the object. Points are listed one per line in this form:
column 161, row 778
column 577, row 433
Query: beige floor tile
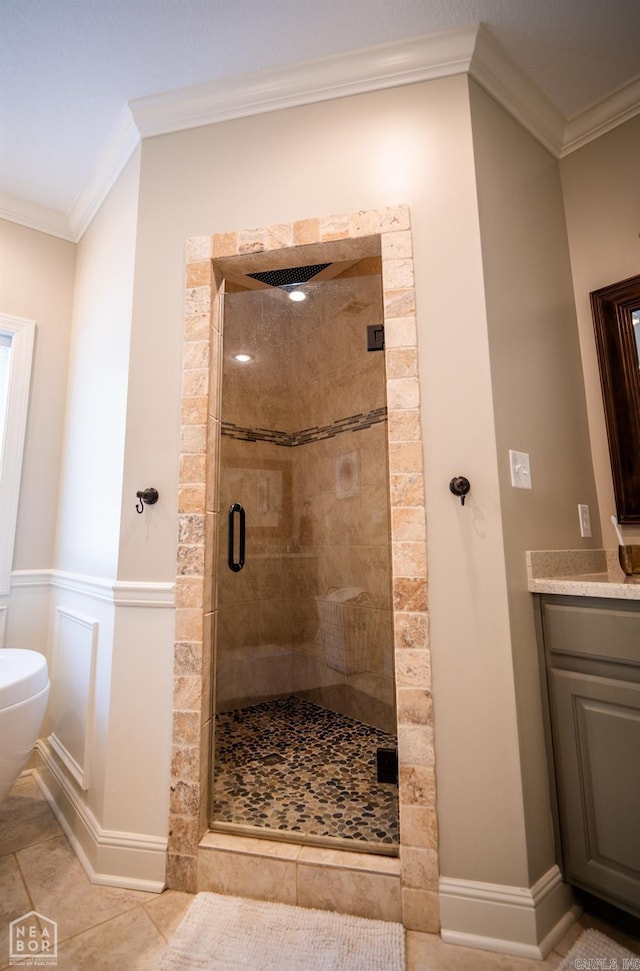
column 14, row 902
column 25, row 817
column 167, row 909
column 103, row 928
column 130, row 941
column 564, row 946
column 427, row 952
column 13, row 893
column 61, row 891
column 586, row 921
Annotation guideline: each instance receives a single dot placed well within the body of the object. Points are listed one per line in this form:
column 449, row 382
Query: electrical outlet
column 520, row 470
column 585, row 520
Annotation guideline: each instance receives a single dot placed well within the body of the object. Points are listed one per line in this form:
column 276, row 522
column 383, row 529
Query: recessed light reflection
column 242, row 357
column 297, row 295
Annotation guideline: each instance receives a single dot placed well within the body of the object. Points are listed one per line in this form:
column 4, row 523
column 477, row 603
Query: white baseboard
column 525, row 922
column 132, row 861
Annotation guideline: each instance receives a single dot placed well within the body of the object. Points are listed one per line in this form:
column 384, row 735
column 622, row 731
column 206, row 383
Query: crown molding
column 342, row 75
column 501, row 77
column 33, row 216
column 472, row 51
column 119, row 148
column 604, row 116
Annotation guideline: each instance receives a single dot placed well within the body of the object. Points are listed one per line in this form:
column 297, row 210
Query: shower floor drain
column 272, row 759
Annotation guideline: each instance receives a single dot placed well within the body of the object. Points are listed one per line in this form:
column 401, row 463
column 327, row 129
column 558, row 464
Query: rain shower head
column 289, row 278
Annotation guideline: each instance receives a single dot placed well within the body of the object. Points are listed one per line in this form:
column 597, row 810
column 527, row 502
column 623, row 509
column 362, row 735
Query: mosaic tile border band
column 317, row 433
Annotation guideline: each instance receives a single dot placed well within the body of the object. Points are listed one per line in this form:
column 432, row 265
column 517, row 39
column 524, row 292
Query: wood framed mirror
column 616, row 318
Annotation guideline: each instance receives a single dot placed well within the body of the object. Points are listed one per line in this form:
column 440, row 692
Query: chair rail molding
column 121, row 593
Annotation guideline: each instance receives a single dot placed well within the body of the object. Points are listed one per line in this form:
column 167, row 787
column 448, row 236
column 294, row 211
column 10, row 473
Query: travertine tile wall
column 269, row 641
column 342, row 483
column 311, row 376
column 350, row 665
column 197, row 544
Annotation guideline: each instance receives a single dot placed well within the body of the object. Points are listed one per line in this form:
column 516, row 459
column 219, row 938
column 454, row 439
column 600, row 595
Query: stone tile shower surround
column 207, row 257
column 315, row 490
column 268, row 641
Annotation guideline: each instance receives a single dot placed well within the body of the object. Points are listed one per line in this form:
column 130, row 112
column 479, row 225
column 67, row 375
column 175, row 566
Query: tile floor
column 292, row 765
column 105, row 929
column 99, row 928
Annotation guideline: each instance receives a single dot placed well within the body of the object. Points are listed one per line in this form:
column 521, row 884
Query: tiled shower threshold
column 291, row 770
column 301, row 839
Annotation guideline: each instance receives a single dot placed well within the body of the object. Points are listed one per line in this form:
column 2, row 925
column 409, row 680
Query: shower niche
column 304, row 693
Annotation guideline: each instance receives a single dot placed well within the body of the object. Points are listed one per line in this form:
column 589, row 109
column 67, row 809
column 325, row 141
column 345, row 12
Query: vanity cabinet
column 592, row 666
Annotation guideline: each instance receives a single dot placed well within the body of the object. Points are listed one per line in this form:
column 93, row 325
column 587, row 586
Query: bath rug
column 595, row 950
column 220, row 933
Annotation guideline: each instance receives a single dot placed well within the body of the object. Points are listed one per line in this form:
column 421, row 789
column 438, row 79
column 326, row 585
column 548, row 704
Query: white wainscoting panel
column 104, row 759
column 73, row 691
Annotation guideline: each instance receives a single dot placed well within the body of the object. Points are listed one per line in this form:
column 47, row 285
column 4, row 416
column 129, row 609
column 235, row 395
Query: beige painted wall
column 385, row 149
column 127, row 773
column 36, row 282
column 414, row 146
column 602, row 203
column 538, row 398
column 96, row 407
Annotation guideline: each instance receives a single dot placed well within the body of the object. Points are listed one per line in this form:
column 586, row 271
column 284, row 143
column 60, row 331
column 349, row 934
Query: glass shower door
column 304, row 689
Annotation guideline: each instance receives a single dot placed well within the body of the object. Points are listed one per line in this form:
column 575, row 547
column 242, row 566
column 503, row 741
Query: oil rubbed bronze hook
column 146, row 495
column 460, row 486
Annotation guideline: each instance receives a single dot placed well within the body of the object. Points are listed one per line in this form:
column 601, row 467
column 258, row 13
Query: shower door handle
column 236, row 565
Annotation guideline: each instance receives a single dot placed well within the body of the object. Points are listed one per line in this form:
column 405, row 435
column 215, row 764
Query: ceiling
column 68, row 68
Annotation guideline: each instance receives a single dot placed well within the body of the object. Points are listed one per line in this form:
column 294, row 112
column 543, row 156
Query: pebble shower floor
column 293, row 766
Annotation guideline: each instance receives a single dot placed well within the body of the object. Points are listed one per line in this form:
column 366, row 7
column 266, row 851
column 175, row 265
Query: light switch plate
column 585, row 520
column 520, row 470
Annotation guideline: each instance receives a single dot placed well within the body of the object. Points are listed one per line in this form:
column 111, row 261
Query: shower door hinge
column 375, row 337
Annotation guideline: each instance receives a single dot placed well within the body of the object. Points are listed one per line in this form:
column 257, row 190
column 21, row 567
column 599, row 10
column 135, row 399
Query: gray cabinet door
column 596, row 732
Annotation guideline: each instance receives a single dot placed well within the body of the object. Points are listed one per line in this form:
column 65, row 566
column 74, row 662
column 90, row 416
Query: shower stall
column 305, row 721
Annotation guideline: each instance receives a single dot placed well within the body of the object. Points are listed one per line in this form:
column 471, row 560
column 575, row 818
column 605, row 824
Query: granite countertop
column 580, row 573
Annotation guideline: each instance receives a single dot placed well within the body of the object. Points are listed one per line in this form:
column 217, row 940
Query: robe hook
column 146, row 495
column 460, row 486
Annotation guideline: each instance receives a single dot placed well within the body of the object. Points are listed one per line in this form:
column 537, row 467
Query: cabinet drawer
column 607, row 631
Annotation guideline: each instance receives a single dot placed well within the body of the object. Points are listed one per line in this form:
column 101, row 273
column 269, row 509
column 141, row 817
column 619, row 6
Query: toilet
column 24, row 692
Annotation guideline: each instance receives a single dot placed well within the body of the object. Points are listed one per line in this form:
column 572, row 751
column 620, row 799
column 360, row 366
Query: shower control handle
column 236, row 565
